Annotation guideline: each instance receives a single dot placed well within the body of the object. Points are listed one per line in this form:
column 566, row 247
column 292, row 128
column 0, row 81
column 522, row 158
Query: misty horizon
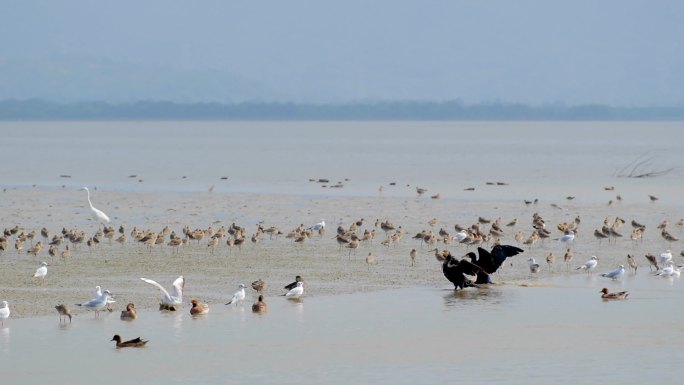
column 611, row 53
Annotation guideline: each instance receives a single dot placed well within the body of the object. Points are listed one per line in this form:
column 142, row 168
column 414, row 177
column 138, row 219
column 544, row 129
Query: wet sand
column 213, row 275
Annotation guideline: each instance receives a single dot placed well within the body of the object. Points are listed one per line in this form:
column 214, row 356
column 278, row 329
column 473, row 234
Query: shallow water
column 537, row 159
column 555, row 330
column 504, row 333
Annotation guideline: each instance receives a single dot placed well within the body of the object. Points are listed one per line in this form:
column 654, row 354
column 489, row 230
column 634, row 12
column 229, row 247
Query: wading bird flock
column 473, row 270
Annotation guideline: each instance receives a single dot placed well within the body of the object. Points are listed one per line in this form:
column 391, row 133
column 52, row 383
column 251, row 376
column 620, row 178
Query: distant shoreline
column 41, row 110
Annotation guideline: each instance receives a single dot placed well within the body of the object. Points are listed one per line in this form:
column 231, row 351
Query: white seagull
column 665, row 257
column 568, row 237
column 615, row 274
column 170, row 301
column 669, row 271
column 296, row 292
column 534, row 266
column 4, row 313
column 98, row 215
column 318, row 226
column 461, row 235
column 98, row 293
column 96, row 304
column 239, row 295
column 41, row 271
column 589, row 265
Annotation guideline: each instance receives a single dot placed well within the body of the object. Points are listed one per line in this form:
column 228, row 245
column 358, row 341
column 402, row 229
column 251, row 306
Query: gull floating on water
column 665, row 257
column 296, row 292
column 168, row 301
column 96, row 304
column 615, row 274
column 238, row 296
column 669, row 271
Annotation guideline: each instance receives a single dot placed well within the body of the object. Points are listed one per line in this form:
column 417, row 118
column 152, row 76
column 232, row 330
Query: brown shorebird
column 550, row 259
column 567, row 258
column 652, row 262
column 412, row 254
column 632, row 263
column 63, row 311
column 370, row 260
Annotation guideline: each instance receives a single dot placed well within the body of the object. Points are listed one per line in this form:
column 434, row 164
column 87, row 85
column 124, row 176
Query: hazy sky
column 538, row 52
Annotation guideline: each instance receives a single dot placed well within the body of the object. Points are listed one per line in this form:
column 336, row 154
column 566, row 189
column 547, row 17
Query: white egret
column 98, row 215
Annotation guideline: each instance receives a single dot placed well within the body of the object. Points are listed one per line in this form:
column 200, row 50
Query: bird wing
column 160, row 287
column 291, row 286
column 485, row 260
column 499, row 254
column 178, row 285
column 466, row 267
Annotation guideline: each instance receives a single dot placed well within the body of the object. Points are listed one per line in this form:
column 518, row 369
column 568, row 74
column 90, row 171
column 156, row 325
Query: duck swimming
column 260, row 306
column 616, row 295
column 130, row 313
column 134, row 343
column 198, row 308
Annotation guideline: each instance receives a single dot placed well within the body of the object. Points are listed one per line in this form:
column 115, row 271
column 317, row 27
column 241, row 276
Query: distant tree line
column 387, row 110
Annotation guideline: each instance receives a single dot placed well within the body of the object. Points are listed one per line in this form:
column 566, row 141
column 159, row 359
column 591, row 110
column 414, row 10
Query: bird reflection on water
column 459, row 299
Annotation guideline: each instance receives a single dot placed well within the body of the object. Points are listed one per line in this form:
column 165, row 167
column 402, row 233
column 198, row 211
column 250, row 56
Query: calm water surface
column 538, row 159
column 561, row 333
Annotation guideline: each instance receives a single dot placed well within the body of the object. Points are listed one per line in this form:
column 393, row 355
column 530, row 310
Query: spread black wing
column 455, row 271
column 489, row 262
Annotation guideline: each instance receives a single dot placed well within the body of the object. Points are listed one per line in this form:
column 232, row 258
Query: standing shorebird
column 589, row 265
column 550, row 259
column 567, row 258
column 259, row 285
column 370, row 260
column 534, row 266
column 632, row 263
column 41, row 272
column 98, row 215
column 412, row 254
column 63, row 311
column 238, row 296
